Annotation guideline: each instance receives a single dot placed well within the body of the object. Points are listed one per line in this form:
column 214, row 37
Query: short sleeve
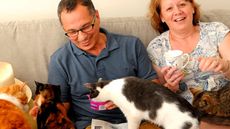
column 222, row 30
column 157, row 47
column 216, row 31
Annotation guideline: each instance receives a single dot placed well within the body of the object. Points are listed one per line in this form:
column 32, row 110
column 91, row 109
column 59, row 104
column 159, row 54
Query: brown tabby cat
column 214, row 104
column 51, row 113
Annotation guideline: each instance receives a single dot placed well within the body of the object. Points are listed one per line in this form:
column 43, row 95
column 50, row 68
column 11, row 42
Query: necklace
column 184, row 41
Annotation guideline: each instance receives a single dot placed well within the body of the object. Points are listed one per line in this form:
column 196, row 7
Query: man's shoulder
column 120, row 37
column 125, row 40
column 123, row 36
column 61, row 51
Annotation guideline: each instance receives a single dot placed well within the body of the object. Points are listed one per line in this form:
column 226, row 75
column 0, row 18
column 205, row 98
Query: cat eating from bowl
column 141, row 99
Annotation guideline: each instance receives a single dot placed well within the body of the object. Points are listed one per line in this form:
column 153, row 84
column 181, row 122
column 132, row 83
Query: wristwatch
column 182, row 87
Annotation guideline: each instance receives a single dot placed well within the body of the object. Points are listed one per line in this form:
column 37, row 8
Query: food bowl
column 95, row 105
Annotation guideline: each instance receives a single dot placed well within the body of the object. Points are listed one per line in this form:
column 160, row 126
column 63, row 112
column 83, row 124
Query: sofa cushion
column 28, row 45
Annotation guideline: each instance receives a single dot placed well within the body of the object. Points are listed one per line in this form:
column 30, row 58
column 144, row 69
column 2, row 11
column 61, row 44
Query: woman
column 206, row 43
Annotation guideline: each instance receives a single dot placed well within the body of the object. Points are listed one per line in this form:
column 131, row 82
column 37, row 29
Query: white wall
column 213, row 4
column 27, row 9
column 121, row 8
column 36, row 9
column 116, row 8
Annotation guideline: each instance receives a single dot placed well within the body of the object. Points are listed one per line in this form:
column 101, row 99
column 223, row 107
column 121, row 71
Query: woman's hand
column 172, row 76
column 213, row 64
column 110, row 105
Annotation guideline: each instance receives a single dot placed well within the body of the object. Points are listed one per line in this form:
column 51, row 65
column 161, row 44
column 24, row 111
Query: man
column 92, row 53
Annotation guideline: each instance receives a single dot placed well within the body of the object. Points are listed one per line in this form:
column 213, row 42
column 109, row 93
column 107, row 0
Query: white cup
column 176, row 58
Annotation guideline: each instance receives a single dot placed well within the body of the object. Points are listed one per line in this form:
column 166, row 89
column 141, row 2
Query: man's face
column 81, row 27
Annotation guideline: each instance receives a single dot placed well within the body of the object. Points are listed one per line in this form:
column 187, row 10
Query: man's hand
column 110, row 105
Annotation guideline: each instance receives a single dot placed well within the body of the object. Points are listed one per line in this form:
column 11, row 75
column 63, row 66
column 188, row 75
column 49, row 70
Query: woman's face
column 177, row 14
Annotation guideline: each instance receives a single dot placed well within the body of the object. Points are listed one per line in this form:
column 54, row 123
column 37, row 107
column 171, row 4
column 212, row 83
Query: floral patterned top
column 211, row 35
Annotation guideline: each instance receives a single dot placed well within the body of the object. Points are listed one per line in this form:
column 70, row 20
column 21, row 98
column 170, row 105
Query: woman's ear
column 162, row 19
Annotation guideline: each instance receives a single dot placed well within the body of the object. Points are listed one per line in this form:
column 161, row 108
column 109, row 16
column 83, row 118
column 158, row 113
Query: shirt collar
column 111, row 43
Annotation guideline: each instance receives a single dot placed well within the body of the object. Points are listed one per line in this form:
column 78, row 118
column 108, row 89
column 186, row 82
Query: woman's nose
column 177, row 10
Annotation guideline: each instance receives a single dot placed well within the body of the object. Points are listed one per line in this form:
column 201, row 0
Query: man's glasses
column 74, row 33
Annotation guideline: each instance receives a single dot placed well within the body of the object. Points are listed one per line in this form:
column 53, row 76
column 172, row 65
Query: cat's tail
column 216, row 120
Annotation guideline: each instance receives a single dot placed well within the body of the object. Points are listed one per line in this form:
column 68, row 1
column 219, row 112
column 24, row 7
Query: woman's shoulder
column 212, row 25
column 164, row 37
column 64, row 51
column 158, row 46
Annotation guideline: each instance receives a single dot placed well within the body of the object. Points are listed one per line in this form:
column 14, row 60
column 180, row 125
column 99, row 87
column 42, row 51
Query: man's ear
column 97, row 15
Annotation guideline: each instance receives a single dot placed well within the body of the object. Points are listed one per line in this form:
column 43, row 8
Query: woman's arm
column 216, row 64
column 169, row 76
column 224, row 50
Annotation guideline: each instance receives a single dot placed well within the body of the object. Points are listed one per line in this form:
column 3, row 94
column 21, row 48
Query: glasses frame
column 82, row 29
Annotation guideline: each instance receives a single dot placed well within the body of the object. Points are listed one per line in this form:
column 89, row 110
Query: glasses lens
column 72, row 33
column 87, row 28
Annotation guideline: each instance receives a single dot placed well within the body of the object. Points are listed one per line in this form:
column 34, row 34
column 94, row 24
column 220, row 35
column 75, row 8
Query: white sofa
column 27, row 45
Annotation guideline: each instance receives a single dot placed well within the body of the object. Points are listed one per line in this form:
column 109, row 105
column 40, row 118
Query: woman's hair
column 155, row 10
column 70, row 5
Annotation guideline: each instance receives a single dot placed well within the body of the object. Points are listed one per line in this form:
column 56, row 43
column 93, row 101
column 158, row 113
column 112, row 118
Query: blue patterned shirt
column 211, row 35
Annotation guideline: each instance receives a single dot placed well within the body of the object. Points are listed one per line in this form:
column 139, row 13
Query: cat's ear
column 195, row 91
column 38, row 87
column 209, row 99
column 99, row 80
column 38, row 83
column 92, row 87
column 89, row 85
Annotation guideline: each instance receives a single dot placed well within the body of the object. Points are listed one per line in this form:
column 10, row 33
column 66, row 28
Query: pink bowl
column 95, row 105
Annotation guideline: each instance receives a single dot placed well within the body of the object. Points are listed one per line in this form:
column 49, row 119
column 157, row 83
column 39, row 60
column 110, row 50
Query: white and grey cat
column 141, row 99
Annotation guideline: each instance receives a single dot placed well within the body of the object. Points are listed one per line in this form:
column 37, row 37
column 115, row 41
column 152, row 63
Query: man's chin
column 85, row 47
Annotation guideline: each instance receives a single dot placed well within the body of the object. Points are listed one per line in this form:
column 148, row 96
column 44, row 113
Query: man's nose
column 81, row 36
